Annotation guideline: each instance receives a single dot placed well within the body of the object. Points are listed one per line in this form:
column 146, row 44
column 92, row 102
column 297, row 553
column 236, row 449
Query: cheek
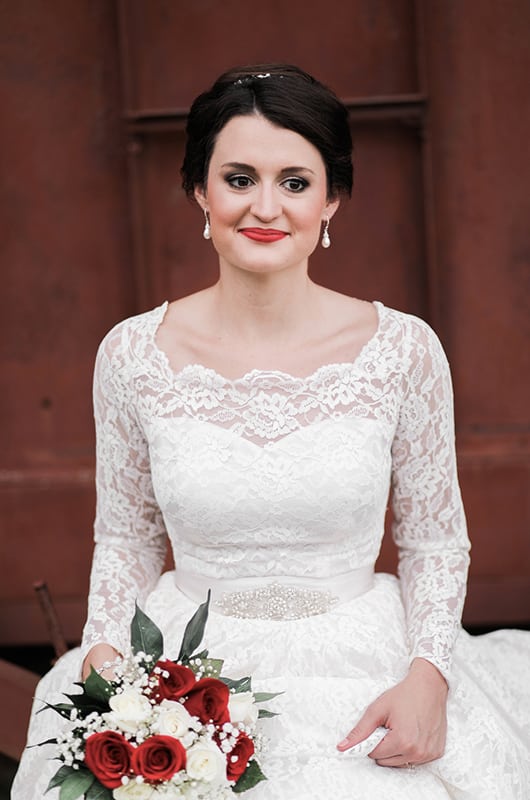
column 224, row 222
column 309, row 217
column 224, row 207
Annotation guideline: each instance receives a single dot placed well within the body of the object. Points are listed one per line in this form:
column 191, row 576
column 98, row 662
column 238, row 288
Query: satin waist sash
column 275, row 597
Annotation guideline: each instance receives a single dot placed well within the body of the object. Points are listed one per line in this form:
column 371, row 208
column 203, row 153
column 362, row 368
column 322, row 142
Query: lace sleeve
column 429, row 522
column 129, row 530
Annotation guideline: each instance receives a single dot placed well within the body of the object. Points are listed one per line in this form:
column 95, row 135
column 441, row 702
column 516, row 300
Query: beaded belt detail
column 275, row 601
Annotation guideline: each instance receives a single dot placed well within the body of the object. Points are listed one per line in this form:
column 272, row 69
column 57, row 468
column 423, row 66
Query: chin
column 264, row 268
column 257, row 264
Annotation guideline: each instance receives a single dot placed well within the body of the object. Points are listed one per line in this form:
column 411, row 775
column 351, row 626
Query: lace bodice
column 273, row 475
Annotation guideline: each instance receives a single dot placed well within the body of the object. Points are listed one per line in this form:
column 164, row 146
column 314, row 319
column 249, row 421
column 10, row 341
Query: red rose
column 237, row 758
column 208, row 700
column 158, row 758
column 178, row 683
column 108, row 756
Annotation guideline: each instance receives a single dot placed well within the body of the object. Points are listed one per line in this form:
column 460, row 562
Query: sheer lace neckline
column 253, row 375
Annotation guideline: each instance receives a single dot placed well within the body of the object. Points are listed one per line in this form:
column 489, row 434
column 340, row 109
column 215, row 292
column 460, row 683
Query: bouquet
column 162, row 729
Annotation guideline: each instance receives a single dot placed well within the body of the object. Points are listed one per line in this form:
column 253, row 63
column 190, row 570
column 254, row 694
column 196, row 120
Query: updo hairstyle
column 287, row 97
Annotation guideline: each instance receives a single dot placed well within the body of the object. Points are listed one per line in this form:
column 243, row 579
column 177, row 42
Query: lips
column 264, row 235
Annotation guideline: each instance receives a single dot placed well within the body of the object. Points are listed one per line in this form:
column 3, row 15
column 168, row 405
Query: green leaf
column 241, row 685
column 60, row 776
column 63, row 709
column 202, row 654
column 96, row 689
column 194, row 631
column 98, row 792
column 261, row 697
column 94, row 696
column 76, row 784
column 251, row 776
column 263, row 713
column 146, row 637
column 41, row 744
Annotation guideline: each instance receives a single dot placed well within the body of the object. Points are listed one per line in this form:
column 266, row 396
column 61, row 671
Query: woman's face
column 266, row 196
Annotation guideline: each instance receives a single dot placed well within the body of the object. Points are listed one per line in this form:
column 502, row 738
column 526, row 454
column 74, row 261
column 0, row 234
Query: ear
column 330, row 208
column 200, row 196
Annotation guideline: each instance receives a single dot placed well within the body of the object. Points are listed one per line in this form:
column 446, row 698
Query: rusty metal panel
column 477, row 63
column 495, row 491
column 174, row 49
column 497, row 514
column 378, row 244
column 17, row 690
column 65, row 280
column 46, row 534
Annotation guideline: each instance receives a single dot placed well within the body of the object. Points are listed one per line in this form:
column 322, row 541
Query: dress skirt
column 329, row 667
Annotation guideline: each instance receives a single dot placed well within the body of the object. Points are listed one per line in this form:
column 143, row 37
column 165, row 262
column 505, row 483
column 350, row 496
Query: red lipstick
column 265, row 235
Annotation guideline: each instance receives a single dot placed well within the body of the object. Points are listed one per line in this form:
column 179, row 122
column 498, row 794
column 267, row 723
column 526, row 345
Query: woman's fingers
column 414, row 712
column 368, row 723
column 408, row 746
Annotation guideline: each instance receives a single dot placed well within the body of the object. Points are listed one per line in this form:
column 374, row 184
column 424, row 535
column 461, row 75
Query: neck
column 256, row 307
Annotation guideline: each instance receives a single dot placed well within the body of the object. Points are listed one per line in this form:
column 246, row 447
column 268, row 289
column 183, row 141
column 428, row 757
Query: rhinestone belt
column 275, row 601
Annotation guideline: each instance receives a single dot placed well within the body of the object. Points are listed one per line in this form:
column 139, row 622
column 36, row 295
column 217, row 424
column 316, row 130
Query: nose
column 266, row 204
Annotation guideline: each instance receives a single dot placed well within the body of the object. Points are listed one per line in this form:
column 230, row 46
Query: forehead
column 254, row 140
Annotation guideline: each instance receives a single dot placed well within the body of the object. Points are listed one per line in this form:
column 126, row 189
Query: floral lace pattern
column 272, row 474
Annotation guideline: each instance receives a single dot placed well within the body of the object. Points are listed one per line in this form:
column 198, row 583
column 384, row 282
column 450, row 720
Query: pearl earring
column 207, row 234
column 326, row 241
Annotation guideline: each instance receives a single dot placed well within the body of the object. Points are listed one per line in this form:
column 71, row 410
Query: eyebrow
column 249, row 168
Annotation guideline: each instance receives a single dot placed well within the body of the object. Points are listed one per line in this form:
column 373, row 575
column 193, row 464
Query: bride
column 262, row 424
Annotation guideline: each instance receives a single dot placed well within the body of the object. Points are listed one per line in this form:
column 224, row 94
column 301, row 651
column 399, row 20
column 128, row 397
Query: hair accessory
column 207, row 234
column 326, row 241
column 249, row 78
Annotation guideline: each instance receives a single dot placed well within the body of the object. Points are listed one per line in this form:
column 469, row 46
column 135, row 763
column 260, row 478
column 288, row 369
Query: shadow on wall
column 8, row 767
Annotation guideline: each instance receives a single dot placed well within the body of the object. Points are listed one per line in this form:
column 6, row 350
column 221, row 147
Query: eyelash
column 302, row 183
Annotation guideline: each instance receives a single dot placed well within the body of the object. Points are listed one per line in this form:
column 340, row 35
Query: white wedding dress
column 273, row 491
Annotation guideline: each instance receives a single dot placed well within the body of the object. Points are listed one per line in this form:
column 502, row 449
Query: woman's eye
column 295, row 184
column 239, row 181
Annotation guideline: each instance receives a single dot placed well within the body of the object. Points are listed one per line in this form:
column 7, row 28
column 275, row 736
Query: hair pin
column 249, row 78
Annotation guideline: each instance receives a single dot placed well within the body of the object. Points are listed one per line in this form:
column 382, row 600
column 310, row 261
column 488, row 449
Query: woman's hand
column 414, row 711
column 96, row 657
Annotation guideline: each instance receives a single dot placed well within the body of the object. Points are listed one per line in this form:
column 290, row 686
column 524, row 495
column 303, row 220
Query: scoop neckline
column 195, row 367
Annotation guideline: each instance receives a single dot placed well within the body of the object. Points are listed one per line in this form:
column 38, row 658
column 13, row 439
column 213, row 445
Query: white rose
column 130, row 709
column 173, row 719
column 134, row 791
column 242, row 708
column 205, row 762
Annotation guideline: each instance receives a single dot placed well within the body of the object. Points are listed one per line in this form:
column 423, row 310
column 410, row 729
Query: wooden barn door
column 99, row 228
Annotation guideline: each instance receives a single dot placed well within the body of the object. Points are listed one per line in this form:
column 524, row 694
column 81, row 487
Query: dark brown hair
column 284, row 95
